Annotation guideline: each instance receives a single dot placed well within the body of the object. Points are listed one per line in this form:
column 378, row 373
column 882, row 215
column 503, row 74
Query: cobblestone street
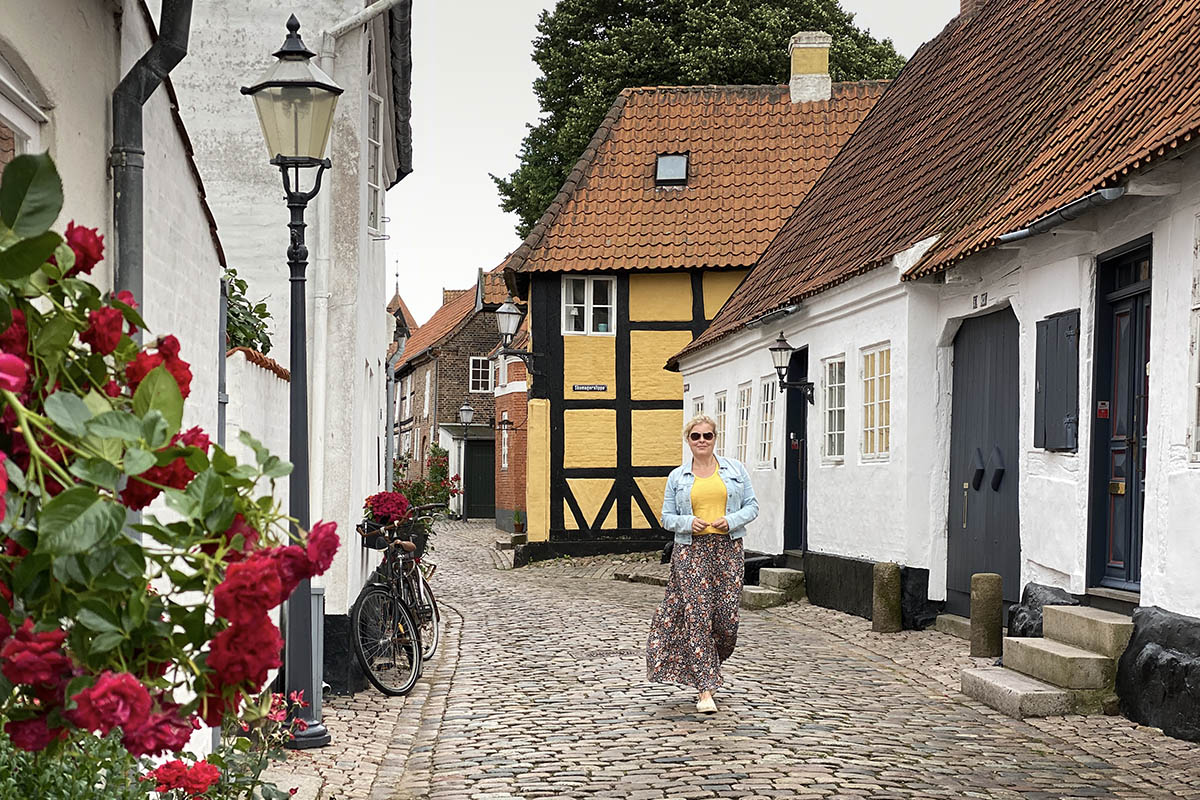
column 540, row 692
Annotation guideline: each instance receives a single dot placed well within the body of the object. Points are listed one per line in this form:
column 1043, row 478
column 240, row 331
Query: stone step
column 757, row 597
column 1088, row 628
column 953, row 625
column 504, row 544
column 1059, row 663
column 788, row 581
column 1013, row 693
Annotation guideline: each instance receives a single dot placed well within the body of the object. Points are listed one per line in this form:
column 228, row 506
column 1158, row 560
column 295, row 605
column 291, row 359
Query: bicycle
column 396, row 606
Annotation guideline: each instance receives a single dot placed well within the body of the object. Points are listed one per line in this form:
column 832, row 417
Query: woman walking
column 707, row 505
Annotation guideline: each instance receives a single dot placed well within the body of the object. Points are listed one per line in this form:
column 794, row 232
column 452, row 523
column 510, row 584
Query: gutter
column 771, row 316
column 362, row 17
column 127, row 159
column 1071, row 211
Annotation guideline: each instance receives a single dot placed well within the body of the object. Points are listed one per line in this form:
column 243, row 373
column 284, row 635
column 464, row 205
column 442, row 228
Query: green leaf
column 76, row 521
column 54, row 337
column 158, row 390
column 129, row 312
column 68, row 412
column 155, row 429
column 275, row 467
column 29, row 571
column 26, row 256
column 64, row 259
column 68, row 571
column 31, row 195
column 106, row 642
column 207, row 490
column 97, row 471
column 138, row 461
column 96, row 402
column 260, row 453
column 183, row 504
column 222, row 462
column 117, row 425
column 130, row 562
column 93, row 621
column 196, row 460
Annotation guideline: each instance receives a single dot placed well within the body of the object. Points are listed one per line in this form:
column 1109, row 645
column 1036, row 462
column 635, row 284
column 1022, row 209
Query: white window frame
column 20, row 113
column 482, row 365
column 504, row 441
column 829, row 394
column 719, row 403
column 425, row 413
column 589, row 305
column 374, row 176
column 876, row 402
column 745, row 399
column 697, row 406
column 766, row 420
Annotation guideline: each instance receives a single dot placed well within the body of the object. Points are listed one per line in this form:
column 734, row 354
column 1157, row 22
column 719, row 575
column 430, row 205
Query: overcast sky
column 472, row 95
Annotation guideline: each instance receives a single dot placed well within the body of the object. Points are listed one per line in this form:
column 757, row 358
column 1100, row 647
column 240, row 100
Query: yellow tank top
column 708, row 500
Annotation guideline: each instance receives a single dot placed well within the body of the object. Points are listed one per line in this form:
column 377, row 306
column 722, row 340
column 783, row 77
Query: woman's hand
column 698, row 525
column 722, row 525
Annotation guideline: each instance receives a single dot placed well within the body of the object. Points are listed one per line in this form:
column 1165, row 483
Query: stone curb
column 640, row 577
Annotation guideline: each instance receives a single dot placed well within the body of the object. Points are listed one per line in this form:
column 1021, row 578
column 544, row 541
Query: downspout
column 1072, row 210
column 389, row 448
column 128, row 158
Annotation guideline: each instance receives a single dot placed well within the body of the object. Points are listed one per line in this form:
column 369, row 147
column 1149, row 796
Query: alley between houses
column 540, row 693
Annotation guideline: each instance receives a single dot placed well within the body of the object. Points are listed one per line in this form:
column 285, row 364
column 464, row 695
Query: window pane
column 672, row 168
column 577, row 291
column 601, row 320
column 601, row 293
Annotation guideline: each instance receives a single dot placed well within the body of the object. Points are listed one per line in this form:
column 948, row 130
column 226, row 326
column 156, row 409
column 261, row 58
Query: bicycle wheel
column 386, row 641
column 430, row 616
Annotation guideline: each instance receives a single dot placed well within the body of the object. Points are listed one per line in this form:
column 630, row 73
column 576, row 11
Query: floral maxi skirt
column 695, row 628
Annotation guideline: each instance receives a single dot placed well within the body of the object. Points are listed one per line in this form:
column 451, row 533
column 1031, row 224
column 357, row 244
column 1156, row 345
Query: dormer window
column 672, row 169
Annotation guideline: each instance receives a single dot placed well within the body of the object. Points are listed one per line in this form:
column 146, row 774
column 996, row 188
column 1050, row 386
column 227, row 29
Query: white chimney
column 810, row 66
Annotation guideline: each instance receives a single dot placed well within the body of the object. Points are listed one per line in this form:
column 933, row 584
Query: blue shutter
column 1056, row 393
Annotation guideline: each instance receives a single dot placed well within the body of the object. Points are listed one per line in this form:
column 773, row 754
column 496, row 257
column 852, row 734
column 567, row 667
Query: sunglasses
column 707, row 436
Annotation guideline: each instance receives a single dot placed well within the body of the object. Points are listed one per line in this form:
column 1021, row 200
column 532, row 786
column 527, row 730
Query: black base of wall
column 504, row 519
column 847, row 584
column 575, row 547
column 342, row 671
column 1158, row 677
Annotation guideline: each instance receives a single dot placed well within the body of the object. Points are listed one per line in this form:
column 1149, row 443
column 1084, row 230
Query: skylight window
column 672, row 169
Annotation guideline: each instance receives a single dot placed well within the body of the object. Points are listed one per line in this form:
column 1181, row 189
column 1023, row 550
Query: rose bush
column 105, row 628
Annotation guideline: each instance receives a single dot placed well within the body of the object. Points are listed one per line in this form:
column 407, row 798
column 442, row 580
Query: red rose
column 104, row 330
column 33, row 734
column 115, row 700
column 15, row 338
column 141, row 366
column 112, row 389
column 200, row 778
column 242, row 654
column 126, row 297
column 250, row 589
column 30, row 657
column 88, row 247
column 162, row 732
column 5, row 630
column 182, row 374
column 322, row 545
column 214, row 705
column 168, row 776
column 14, row 372
column 138, row 494
column 293, row 566
column 236, row 553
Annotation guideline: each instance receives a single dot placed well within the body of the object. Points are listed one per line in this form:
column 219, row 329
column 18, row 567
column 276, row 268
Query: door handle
column 965, row 487
column 998, row 475
column 977, row 470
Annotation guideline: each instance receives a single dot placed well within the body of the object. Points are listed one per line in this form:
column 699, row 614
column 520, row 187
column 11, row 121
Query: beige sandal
column 706, row 706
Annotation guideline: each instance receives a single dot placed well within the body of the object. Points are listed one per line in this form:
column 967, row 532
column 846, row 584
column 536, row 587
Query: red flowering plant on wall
column 386, row 507
column 111, row 626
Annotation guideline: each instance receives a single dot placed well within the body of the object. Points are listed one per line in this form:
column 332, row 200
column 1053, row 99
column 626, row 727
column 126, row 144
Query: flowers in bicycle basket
column 386, row 507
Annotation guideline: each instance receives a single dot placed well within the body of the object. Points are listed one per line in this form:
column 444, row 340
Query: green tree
column 589, row 50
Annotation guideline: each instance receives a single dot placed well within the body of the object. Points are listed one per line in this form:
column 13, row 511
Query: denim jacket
column 741, row 507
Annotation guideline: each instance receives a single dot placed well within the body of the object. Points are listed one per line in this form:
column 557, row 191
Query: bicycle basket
column 372, row 534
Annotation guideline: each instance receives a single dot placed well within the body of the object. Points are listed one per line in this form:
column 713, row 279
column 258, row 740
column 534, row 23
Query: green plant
column 89, row 766
column 132, row 630
column 246, row 322
column 518, row 518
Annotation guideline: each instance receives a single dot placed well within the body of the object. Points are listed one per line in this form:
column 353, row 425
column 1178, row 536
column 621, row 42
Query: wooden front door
column 795, row 457
column 1119, row 420
column 479, row 479
column 983, row 526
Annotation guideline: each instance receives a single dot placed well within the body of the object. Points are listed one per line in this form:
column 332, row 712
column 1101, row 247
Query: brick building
column 446, row 364
column 512, row 413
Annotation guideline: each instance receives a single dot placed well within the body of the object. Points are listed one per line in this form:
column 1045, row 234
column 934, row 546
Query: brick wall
column 424, row 428
column 510, row 482
column 477, row 338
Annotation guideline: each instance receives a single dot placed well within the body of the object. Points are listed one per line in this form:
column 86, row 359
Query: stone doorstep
column 1088, row 628
column 953, row 625
column 1014, row 694
column 504, row 544
column 757, row 598
column 788, row 581
column 1059, row 663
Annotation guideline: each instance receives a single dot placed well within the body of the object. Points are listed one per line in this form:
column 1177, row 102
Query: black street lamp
column 465, row 415
column 781, row 354
column 295, row 101
column 508, row 320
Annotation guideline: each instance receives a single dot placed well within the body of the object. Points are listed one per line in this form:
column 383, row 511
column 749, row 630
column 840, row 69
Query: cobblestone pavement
column 541, row 693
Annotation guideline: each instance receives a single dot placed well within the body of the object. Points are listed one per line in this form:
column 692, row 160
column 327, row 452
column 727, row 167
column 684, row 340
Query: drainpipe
column 1072, row 210
column 127, row 158
column 364, row 16
column 771, row 316
column 389, row 448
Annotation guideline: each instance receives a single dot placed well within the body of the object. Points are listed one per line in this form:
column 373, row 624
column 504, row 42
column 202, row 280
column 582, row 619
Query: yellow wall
column 590, row 360
column 590, row 494
column 663, row 297
column 657, row 438
column 652, row 489
column 537, row 471
column 589, row 436
column 718, row 286
column 648, row 352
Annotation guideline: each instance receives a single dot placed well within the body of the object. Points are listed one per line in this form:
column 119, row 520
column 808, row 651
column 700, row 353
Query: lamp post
column 465, row 415
column 781, row 354
column 295, row 101
column 508, row 320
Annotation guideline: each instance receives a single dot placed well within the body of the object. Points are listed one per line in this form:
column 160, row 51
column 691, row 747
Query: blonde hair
column 702, row 419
